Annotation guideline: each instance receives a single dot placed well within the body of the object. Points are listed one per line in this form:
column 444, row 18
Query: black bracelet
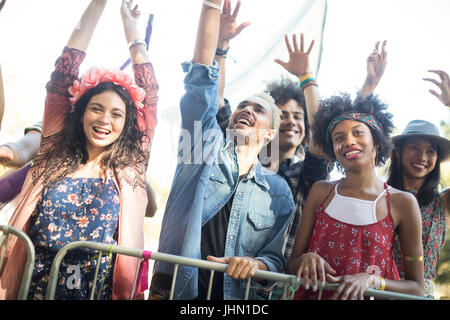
column 222, row 53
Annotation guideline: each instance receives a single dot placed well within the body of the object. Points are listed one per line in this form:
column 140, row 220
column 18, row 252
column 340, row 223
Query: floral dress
column 434, row 229
column 351, row 249
column 74, row 209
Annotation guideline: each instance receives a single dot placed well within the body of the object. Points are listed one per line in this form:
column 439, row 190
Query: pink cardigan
column 129, row 181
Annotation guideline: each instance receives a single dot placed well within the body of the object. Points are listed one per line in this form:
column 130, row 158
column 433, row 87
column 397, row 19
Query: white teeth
column 243, row 121
column 351, row 153
column 102, row 130
column 420, row 166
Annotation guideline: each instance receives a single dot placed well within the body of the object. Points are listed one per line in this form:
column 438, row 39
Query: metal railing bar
column 29, row 265
column 247, row 289
column 285, row 292
column 174, row 279
column 289, row 280
column 94, row 283
column 136, row 274
column 211, row 278
column 3, row 243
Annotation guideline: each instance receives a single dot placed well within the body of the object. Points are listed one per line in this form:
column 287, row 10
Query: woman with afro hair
column 347, row 230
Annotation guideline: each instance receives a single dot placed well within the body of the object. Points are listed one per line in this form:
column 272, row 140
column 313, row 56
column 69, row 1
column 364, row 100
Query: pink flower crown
column 95, row 76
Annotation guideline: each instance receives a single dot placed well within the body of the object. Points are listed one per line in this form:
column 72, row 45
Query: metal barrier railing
column 102, row 249
column 289, row 280
column 29, row 266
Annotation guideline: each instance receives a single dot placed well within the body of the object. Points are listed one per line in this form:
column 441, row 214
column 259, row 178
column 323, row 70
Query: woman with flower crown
column 88, row 179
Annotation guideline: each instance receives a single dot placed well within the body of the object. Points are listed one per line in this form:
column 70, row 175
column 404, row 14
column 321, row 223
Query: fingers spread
column 288, row 45
column 310, row 47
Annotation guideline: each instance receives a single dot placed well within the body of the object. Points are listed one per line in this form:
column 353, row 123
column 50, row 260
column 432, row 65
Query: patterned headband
column 365, row 118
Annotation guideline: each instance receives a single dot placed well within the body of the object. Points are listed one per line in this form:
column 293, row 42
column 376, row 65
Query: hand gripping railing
column 290, row 281
column 29, row 266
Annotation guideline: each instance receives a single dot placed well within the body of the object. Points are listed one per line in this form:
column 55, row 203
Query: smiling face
column 292, row 125
column 103, row 120
column 251, row 122
column 418, row 158
column 353, row 144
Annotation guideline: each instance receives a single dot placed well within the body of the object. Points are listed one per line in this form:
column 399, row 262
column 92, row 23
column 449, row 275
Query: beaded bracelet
column 222, row 53
column 309, row 84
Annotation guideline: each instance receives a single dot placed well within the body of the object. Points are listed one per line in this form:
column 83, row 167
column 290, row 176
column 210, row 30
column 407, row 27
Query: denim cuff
column 191, row 68
column 270, row 265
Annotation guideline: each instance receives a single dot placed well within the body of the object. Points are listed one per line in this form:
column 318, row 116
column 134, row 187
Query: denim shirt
column 205, row 178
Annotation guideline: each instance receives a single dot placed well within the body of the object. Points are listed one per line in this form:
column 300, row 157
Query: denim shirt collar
column 257, row 171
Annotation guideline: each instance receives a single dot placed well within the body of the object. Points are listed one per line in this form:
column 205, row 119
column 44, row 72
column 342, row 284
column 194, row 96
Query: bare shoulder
column 320, row 189
column 445, row 195
column 404, row 204
column 322, row 186
column 402, row 198
column 445, row 198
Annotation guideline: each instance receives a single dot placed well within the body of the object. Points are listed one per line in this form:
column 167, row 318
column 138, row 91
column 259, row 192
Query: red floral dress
column 351, row 249
column 434, row 228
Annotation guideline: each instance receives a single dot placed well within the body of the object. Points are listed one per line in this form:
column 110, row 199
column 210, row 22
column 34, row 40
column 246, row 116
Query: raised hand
column 376, row 64
column 298, row 63
column 128, row 12
column 228, row 25
column 130, row 15
column 444, row 85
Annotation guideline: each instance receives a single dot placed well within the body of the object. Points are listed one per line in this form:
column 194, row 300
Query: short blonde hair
column 267, row 100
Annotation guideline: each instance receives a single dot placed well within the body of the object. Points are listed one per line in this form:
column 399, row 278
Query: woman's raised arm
column 82, row 34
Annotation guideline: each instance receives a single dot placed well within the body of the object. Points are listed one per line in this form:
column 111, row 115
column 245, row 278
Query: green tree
column 443, row 266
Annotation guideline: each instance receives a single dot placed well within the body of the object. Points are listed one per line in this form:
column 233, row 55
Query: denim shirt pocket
column 216, row 175
column 216, row 188
column 256, row 231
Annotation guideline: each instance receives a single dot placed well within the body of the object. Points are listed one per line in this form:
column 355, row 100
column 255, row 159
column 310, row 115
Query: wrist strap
column 305, row 76
column 383, row 284
column 136, row 42
column 222, row 53
column 212, row 5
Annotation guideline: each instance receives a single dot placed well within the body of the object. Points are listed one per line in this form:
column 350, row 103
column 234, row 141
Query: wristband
column 383, row 284
column 212, row 5
column 305, row 76
column 222, row 53
column 309, row 84
column 136, row 42
column 302, row 83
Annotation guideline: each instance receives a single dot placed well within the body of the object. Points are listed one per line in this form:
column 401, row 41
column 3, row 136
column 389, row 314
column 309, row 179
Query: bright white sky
column 33, row 34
